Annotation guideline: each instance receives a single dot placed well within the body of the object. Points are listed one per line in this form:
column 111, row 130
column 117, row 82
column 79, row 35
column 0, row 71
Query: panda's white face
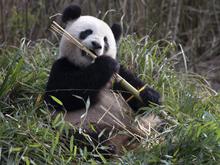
column 93, row 33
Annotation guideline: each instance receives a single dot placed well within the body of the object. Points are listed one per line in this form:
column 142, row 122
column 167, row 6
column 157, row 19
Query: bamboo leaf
column 56, row 100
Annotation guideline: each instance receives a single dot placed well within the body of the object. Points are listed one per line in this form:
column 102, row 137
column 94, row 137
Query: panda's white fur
column 99, row 30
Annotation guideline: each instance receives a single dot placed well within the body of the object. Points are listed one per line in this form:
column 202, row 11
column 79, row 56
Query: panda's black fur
column 73, row 84
column 83, row 82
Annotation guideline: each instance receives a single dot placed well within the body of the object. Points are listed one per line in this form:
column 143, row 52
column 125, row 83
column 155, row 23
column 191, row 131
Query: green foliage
column 187, row 98
column 19, row 23
column 30, row 135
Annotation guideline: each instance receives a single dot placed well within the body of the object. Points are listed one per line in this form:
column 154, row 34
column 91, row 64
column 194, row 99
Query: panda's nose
column 96, row 45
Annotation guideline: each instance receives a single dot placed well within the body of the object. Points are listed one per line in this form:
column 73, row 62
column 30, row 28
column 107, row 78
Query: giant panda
column 93, row 102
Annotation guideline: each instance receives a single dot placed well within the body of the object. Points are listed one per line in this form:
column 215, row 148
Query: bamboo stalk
column 57, row 28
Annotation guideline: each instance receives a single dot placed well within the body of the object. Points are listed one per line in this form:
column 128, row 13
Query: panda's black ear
column 70, row 13
column 116, row 29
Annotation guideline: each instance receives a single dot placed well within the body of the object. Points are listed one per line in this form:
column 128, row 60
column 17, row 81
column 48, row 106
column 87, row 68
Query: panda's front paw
column 149, row 95
column 107, row 64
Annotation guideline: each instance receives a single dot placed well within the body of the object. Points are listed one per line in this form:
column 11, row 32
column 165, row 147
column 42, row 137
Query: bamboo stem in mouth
column 57, row 28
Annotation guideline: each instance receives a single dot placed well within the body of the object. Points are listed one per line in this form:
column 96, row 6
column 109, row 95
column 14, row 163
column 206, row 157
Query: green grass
column 28, row 134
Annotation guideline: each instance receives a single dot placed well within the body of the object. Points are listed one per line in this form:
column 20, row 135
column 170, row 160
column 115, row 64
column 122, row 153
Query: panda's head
column 94, row 33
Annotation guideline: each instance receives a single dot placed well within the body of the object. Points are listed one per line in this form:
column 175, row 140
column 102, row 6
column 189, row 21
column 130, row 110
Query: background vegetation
column 28, row 134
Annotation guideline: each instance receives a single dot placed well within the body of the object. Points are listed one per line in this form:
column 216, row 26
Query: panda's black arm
column 67, row 80
column 95, row 76
column 148, row 94
column 98, row 74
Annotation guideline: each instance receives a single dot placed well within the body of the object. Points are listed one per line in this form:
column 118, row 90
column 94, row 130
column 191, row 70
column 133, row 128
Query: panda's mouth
column 93, row 52
column 87, row 55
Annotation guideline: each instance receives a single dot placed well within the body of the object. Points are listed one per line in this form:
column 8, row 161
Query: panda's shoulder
column 63, row 64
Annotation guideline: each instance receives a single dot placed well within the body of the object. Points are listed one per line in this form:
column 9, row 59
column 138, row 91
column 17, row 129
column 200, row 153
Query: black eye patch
column 85, row 34
column 106, row 44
